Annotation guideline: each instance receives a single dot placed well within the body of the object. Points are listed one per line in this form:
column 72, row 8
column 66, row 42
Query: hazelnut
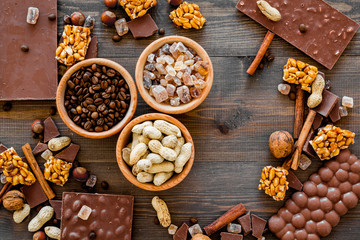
column 104, row 185
column 39, row 235
column 13, row 200
column 108, row 18
column 37, row 126
column 80, row 174
column 110, row 3
column 51, row 16
column 281, row 144
column 175, row 2
column 67, row 19
column 77, row 18
column 162, row 31
column 200, row 236
column 116, row 38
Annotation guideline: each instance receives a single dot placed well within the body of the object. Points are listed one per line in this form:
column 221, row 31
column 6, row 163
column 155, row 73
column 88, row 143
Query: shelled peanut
column 157, row 151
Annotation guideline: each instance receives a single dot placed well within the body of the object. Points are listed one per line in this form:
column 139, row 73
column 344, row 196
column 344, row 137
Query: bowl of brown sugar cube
column 174, row 74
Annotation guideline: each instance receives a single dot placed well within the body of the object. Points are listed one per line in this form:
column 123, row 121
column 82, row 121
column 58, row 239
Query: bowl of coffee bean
column 96, row 98
column 174, row 74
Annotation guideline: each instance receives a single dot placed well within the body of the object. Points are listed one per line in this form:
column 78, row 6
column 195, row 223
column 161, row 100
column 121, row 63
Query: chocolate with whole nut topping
column 96, row 98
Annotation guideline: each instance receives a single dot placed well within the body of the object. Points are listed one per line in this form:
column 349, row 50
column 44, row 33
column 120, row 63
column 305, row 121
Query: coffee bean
column 99, row 129
column 71, row 84
column 94, row 115
column 98, row 101
column 91, row 108
column 87, row 125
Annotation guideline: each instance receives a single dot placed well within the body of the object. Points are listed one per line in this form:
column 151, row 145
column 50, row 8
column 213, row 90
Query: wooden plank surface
column 227, row 166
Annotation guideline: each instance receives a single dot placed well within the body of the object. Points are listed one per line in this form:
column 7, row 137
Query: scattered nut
column 21, row 214
column 13, row 200
column 200, row 236
column 58, row 143
column 44, row 215
column 110, row 3
column 37, row 126
column 67, row 19
column 317, row 88
column 77, row 18
column 116, row 38
column 162, row 211
column 108, row 18
column 80, row 174
column 162, row 31
column 53, row 232
column 270, row 12
column 281, row 144
column 40, row 235
column 104, row 185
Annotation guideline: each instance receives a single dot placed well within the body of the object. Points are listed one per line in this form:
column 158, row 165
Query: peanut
column 155, row 158
column 317, row 88
column 180, row 143
column 183, row 158
column 135, row 170
column 143, row 139
column 135, row 140
column 59, row 143
column 270, row 12
column 138, row 151
column 144, row 164
column 53, row 232
column 162, row 211
column 167, row 128
column 167, row 153
column 161, row 167
column 169, row 141
column 139, row 127
column 21, row 214
column 44, row 215
column 151, row 132
column 162, row 177
column 145, row 177
column 126, row 155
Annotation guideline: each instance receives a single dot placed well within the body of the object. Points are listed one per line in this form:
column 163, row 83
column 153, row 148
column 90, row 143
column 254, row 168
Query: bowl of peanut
column 174, row 74
column 155, row 152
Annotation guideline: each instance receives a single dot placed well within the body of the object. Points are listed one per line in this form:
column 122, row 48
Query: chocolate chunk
column 245, row 222
column 320, row 19
column 2, row 148
column 328, row 102
column 308, row 149
column 143, row 27
column 335, row 113
column 111, row 216
column 258, row 225
column 36, row 78
column 231, row 236
column 50, row 130
column 92, row 50
column 69, row 154
column 39, row 148
column 34, row 194
column 57, row 206
column 317, row 121
column 182, row 232
column 294, row 182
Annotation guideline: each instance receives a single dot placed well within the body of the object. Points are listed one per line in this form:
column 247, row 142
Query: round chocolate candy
column 301, row 234
column 342, row 175
column 306, row 213
column 333, row 194
column 354, row 178
column 326, row 174
column 314, row 203
column 345, row 166
column 313, row 237
column 343, row 156
column 350, row 200
column 298, row 220
column 355, row 167
column 333, row 165
column 290, row 227
column 315, row 178
column 356, row 189
column 285, row 214
column 340, row 208
column 323, row 228
column 300, row 198
column 322, row 190
column 333, row 218
column 310, row 226
column 276, row 223
column 310, row 188
column 288, row 236
column 326, row 205
column 334, row 182
column 352, row 159
column 291, row 205
column 317, row 215
column 345, row 187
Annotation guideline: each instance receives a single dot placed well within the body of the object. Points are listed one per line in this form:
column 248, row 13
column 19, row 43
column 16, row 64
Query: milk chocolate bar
column 327, row 31
column 327, row 195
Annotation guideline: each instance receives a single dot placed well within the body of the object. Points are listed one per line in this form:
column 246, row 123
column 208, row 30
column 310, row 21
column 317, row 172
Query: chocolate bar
column 328, row 31
column 34, row 194
column 111, row 216
column 327, row 195
column 143, row 27
column 30, row 75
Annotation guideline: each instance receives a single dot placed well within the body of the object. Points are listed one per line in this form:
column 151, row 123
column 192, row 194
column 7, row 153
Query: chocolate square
column 50, row 130
column 143, row 27
column 28, row 75
column 111, row 216
column 245, row 222
column 258, row 225
column 39, row 148
column 92, row 50
column 182, row 232
column 69, row 154
column 2, row 148
column 294, row 182
column 308, row 149
column 335, row 113
column 34, row 194
column 57, row 206
column 231, row 236
column 317, row 121
column 328, row 102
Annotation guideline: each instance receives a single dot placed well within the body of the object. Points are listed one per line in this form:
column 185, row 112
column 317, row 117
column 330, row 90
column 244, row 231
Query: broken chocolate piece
column 2, row 148
column 245, row 222
column 294, row 182
column 69, row 154
column 182, row 232
column 308, row 149
column 39, row 148
column 34, row 194
column 50, row 130
column 258, row 225
column 57, row 206
column 328, row 102
column 231, row 236
column 143, row 27
column 335, row 113
column 92, row 50
column 317, row 121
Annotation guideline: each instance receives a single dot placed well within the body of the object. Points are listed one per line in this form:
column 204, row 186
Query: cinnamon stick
column 302, row 138
column 264, row 46
column 299, row 111
column 37, row 171
column 4, row 190
column 228, row 217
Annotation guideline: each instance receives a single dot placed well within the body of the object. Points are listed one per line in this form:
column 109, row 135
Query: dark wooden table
column 227, row 165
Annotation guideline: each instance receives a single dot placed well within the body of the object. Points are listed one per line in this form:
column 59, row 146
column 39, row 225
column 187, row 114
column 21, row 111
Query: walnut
column 13, row 200
column 281, row 144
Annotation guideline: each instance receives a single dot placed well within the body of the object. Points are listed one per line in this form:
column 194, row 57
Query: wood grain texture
column 227, row 167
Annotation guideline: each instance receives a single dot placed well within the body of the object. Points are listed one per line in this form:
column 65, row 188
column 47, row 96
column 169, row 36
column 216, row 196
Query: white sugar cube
column 347, row 102
column 195, row 229
column 84, row 212
column 172, row 229
column 234, row 228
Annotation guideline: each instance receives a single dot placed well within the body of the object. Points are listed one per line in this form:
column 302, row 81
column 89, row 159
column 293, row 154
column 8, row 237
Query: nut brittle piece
column 57, row 170
column 330, row 140
column 298, row 72
column 187, row 16
column 15, row 169
column 137, row 8
column 74, row 45
column 273, row 181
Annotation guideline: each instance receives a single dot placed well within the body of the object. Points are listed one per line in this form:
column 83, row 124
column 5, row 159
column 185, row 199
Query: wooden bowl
column 61, row 93
column 163, row 107
column 124, row 139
